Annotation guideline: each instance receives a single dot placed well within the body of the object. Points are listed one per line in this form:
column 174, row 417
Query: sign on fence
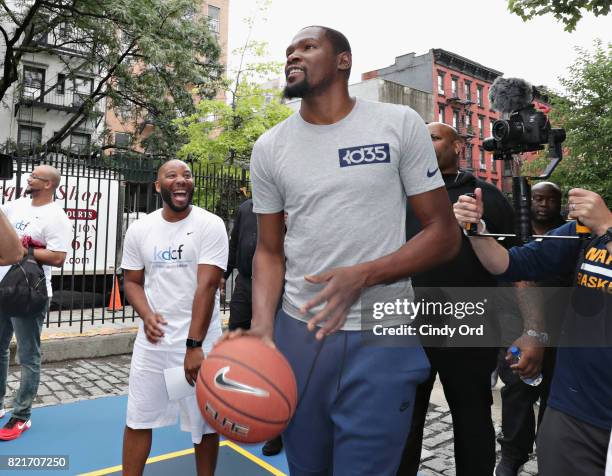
column 91, row 204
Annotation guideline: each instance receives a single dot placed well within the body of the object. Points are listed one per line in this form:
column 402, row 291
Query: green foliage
column 221, row 133
column 225, row 133
column 569, row 12
column 145, row 55
column 585, row 112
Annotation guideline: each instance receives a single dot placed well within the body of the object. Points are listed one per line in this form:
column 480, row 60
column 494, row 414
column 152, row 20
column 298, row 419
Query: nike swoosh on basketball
column 431, row 174
column 224, row 383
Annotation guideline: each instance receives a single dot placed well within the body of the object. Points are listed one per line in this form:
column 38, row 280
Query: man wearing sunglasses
column 42, row 224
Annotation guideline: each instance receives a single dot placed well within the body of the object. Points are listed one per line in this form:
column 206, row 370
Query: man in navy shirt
column 575, row 433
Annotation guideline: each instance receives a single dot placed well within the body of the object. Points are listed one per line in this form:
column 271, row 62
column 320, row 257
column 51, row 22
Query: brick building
column 460, row 89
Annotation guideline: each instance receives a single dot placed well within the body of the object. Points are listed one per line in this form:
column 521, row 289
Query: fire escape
column 462, row 104
column 63, row 94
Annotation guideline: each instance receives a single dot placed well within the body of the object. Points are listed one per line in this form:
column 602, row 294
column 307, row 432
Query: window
column 481, row 127
column 33, row 82
column 455, row 119
column 468, row 120
column 491, row 121
column 79, row 142
column 214, row 19
column 441, row 113
column 65, row 30
column 467, row 87
column 468, row 154
column 480, row 95
column 440, row 83
column 29, row 135
column 493, row 165
column 122, row 139
column 61, row 84
column 455, row 86
column 42, row 38
column 481, row 160
column 83, row 87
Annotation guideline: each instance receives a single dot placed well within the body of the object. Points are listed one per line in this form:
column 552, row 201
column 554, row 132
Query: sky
column 538, row 51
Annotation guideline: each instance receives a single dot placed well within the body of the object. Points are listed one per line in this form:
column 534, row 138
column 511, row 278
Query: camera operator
column 518, row 398
column 11, row 250
column 575, row 432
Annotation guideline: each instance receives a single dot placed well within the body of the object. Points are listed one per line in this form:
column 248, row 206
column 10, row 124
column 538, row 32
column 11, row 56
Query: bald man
column 464, row 372
column 41, row 223
column 173, row 260
column 545, row 207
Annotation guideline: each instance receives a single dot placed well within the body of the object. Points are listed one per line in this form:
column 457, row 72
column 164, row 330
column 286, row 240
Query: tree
column 585, row 112
column 225, row 133
column 569, row 12
column 145, row 56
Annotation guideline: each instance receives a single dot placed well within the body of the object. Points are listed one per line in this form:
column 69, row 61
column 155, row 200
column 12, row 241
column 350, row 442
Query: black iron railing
column 102, row 195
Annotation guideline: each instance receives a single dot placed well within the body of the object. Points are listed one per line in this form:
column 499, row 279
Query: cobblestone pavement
column 65, row 382
column 73, row 380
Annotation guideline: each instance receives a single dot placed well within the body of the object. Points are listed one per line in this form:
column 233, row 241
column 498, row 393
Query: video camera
column 521, row 129
column 526, row 129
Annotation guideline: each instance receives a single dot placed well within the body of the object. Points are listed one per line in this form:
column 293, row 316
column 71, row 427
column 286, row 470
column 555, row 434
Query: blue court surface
column 90, row 434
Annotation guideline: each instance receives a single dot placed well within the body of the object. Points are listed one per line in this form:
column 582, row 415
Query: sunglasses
column 36, row 177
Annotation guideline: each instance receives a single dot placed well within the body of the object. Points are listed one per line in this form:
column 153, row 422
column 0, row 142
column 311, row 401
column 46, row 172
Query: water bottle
column 516, row 356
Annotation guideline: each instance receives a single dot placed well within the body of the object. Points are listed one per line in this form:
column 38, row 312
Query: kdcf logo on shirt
column 167, row 254
column 364, row 154
column 21, row 226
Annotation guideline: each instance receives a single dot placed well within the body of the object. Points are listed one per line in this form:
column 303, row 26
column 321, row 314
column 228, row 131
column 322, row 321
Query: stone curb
column 60, row 346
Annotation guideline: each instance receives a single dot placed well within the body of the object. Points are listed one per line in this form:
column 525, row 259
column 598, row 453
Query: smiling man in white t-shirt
column 43, row 224
column 173, row 261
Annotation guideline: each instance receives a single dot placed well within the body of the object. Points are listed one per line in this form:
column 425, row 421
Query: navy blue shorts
column 355, row 401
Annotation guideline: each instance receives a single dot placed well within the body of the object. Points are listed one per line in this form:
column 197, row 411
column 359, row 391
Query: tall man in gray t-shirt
column 342, row 169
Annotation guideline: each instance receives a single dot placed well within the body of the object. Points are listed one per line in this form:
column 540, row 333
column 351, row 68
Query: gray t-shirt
column 344, row 188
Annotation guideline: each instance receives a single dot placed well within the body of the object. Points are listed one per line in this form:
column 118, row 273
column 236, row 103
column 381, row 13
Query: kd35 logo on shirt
column 364, row 154
column 167, row 254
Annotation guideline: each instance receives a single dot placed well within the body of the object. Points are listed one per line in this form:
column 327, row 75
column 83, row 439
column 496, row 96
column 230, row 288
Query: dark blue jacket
column 582, row 382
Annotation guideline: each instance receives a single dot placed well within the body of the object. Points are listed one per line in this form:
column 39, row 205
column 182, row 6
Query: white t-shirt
column 170, row 253
column 47, row 224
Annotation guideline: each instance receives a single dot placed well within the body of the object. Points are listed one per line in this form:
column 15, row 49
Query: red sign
column 81, row 214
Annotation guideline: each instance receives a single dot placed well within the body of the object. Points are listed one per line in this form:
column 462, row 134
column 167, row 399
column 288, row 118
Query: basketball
column 246, row 390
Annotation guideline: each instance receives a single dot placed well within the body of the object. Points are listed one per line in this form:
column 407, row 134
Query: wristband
column 193, row 344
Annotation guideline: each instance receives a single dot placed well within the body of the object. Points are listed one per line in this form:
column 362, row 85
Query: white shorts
column 148, row 404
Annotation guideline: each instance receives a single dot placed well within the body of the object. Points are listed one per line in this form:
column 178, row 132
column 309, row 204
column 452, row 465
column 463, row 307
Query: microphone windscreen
column 510, row 94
